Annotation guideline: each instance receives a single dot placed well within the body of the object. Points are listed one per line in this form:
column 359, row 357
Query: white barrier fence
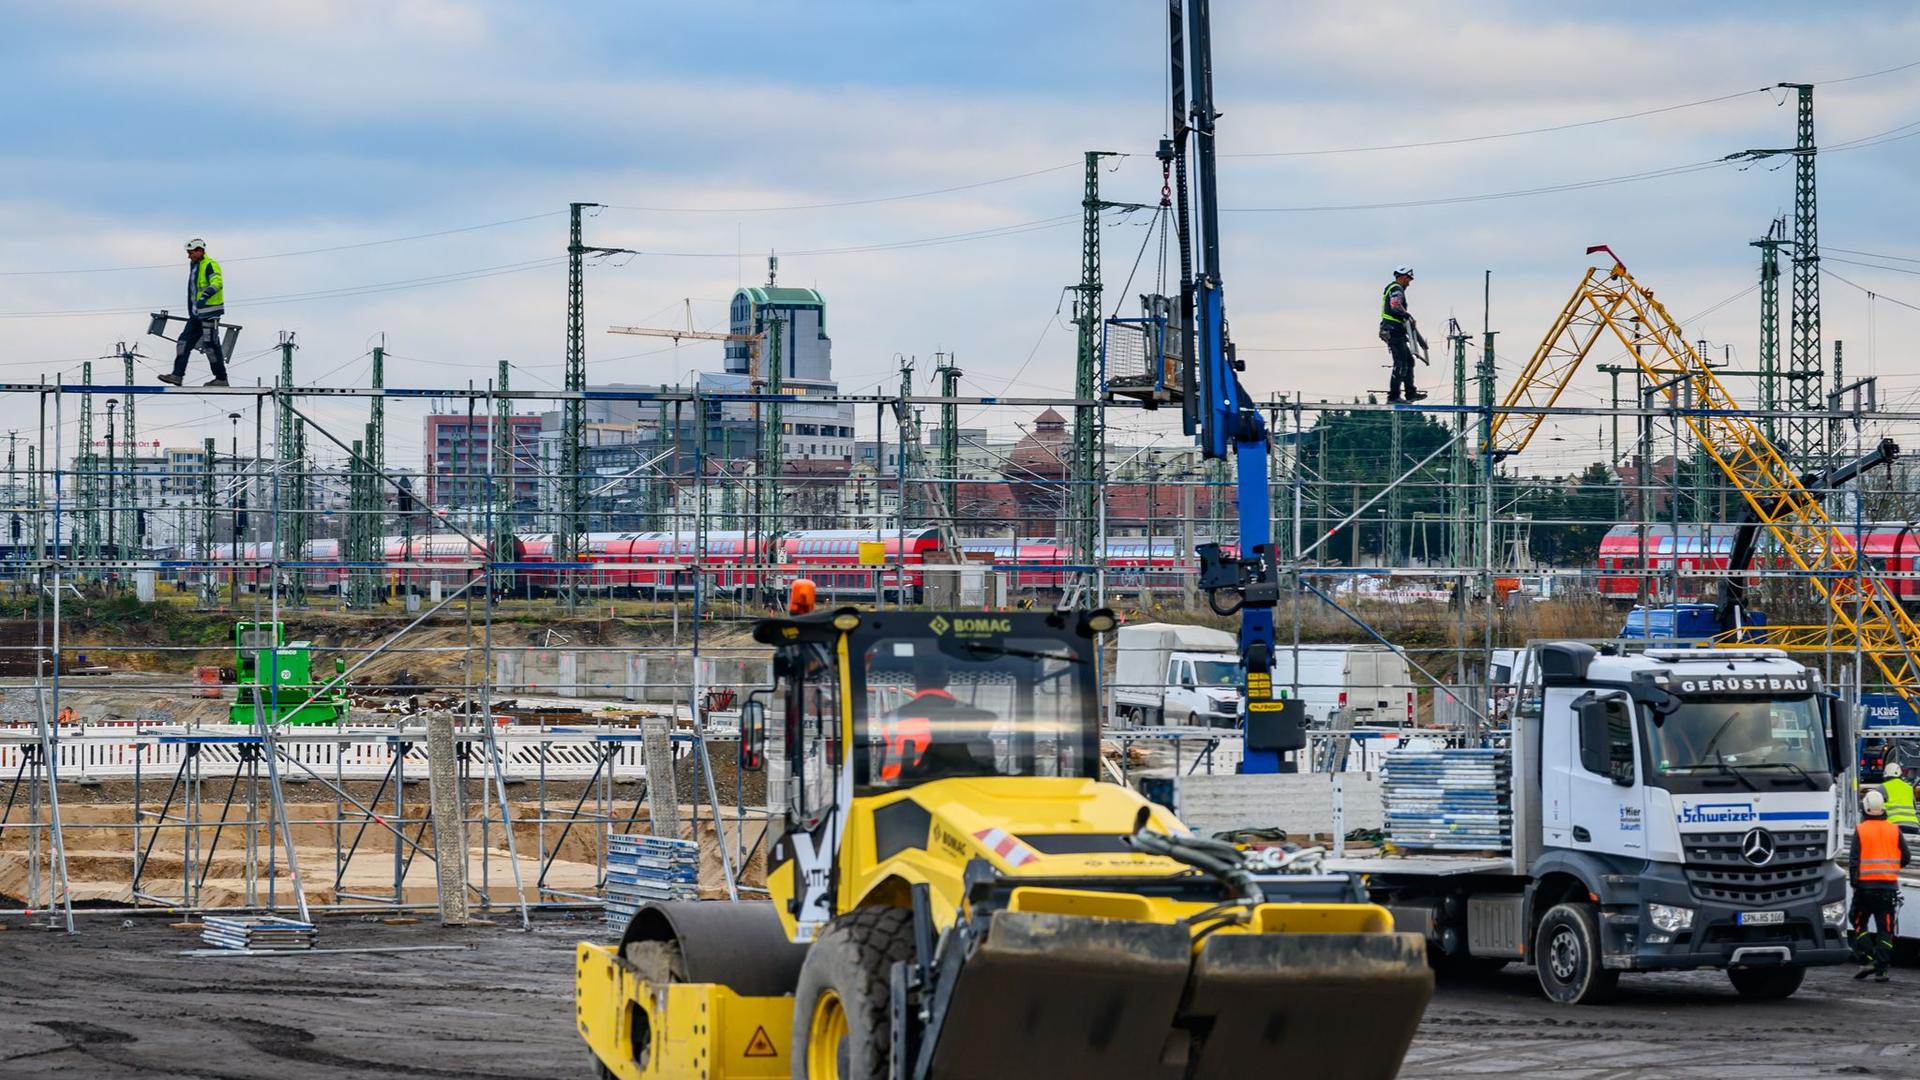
column 116, row 752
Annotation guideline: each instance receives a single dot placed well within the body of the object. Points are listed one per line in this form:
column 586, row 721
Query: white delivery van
column 1169, row 674
column 1370, row 682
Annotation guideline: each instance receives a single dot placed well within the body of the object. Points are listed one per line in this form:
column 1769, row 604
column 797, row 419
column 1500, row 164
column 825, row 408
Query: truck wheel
column 1767, row 983
column 1566, row 952
column 841, row 1029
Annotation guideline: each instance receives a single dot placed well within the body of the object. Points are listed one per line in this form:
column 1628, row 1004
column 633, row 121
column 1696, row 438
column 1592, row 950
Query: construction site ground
column 120, row 1000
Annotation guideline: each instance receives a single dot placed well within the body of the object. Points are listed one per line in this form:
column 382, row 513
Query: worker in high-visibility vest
column 1899, row 798
column 206, row 305
column 1397, row 326
column 1879, row 851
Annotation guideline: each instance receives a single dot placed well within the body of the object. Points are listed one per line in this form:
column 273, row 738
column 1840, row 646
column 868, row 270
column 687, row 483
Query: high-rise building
column 457, row 450
column 809, row 431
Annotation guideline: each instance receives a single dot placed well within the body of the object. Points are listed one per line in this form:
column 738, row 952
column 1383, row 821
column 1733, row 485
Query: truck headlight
column 1669, row 918
column 1834, row 914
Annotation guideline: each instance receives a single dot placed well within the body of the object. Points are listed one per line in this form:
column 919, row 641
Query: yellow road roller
column 957, row 894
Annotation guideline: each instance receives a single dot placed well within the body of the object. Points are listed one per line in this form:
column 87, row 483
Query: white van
column 1370, row 682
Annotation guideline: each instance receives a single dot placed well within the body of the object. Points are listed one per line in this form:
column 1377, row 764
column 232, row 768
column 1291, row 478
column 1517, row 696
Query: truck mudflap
column 1050, row 996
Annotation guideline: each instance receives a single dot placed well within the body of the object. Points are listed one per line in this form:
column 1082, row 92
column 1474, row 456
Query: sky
column 399, row 170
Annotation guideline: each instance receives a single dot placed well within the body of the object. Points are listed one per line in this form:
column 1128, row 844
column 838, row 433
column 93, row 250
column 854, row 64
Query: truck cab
column 1672, row 809
column 1204, row 687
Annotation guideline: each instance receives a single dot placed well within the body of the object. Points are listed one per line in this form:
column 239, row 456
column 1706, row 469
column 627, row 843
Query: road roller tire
column 841, row 1029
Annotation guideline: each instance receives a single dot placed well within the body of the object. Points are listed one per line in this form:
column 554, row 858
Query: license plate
column 1762, row 918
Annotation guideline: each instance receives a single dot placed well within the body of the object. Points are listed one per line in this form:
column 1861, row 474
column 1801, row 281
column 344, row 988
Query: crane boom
column 1224, row 419
column 1865, row 611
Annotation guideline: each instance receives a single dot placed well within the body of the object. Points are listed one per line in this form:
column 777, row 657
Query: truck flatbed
column 1428, row 865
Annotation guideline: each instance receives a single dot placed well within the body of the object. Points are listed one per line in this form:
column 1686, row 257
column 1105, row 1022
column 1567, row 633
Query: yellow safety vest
column 1900, row 809
column 1386, row 303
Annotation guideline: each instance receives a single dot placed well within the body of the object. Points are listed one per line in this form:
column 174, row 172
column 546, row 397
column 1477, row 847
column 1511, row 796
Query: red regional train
column 655, row 564
column 1892, row 545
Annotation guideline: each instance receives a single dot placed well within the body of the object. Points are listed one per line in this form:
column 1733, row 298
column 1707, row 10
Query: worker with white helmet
column 1398, row 330
column 206, row 303
column 1899, row 793
column 1879, row 851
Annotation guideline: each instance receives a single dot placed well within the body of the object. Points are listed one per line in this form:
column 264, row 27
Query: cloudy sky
column 402, row 167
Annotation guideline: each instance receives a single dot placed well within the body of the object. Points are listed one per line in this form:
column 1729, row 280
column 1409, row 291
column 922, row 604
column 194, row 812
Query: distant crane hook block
column 229, row 332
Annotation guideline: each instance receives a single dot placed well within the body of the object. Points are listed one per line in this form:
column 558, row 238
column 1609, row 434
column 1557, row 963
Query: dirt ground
column 121, row 1001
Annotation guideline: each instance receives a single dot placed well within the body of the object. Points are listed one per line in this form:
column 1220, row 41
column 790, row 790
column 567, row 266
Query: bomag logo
column 939, row 625
column 1717, row 814
column 983, row 626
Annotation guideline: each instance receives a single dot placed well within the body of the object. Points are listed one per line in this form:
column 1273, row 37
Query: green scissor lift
column 282, row 672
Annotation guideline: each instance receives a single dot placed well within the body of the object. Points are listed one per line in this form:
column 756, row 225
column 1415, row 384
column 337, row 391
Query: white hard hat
column 1892, row 770
column 196, row 242
column 1399, row 270
column 1874, row 803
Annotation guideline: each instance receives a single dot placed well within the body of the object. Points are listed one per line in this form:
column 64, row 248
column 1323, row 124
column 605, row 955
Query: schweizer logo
column 1758, row 847
column 1717, row 813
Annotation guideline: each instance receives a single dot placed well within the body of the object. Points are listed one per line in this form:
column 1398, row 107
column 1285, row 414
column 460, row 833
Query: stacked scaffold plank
column 257, row 933
column 643, row 868
column 1449, row 800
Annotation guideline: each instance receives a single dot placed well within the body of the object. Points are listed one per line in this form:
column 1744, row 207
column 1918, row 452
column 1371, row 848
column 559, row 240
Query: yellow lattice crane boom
column 1866, row 612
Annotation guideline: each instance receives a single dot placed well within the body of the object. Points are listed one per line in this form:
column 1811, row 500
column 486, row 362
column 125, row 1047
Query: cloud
column 394, row 119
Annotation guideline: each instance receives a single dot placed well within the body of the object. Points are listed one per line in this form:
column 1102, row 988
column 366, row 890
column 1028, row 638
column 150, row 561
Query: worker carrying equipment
column 1400, row 331
column 1899, row 793
column 1879, row 851
column 206, row 303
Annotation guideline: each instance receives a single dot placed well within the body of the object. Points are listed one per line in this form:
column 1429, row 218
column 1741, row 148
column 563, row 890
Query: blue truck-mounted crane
column 1215, row 408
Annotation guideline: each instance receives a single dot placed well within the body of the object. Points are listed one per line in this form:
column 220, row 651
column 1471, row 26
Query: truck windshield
column 937, row 708
column 1216, row 673
column 1723, row 735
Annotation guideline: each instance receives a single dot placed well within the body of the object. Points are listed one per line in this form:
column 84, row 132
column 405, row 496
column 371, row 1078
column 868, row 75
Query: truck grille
column 1718, row 872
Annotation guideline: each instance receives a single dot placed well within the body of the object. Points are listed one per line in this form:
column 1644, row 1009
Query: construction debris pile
column 1449, row 800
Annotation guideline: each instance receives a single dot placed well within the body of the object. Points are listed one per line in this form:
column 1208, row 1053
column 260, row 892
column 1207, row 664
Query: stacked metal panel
column 1449, row 800
column 262, row 933
column 643, row 868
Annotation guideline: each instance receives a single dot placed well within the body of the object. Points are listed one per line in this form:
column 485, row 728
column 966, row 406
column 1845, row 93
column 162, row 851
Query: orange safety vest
column 906, row 738
column 1878, row 842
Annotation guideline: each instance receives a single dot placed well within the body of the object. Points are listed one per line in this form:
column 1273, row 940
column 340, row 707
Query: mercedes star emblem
column 1758, row 846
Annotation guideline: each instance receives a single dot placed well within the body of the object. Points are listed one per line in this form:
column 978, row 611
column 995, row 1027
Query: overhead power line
column 1550, row 128
column 1875, row 293
column 1375, row 148
column 320, row 294
column 1577, row 185
column 845, row 202
column 292, row 254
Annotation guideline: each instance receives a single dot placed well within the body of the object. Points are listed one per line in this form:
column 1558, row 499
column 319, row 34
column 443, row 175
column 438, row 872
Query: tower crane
column 752, row 341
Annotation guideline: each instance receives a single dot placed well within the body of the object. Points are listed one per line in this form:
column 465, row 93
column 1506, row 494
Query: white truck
column 1672, row 809
column 1168, row 674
